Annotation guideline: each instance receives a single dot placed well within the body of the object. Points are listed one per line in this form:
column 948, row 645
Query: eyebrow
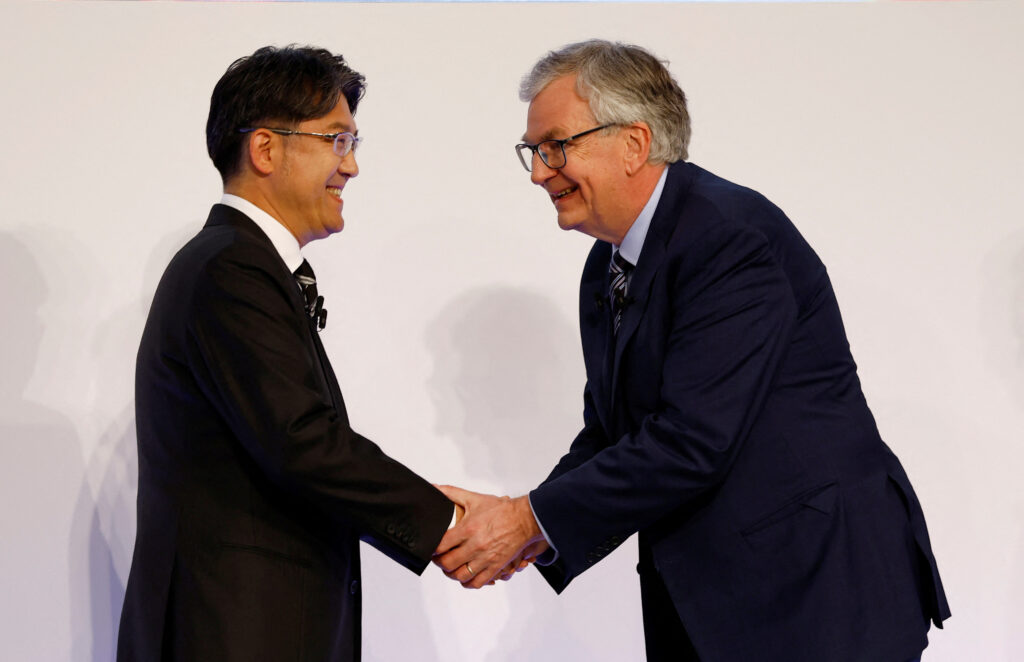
column 344, row 128
column 548, row 135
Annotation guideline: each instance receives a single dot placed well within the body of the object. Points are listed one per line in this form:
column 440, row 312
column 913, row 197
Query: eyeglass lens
column 343, row 144
column 550, row 151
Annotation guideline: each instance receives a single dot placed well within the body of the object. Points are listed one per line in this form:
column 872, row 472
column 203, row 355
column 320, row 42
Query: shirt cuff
column 551, row 555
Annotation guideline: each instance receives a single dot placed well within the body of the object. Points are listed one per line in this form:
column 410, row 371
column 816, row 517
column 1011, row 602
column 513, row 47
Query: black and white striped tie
column 618, row 270
column 314, row 302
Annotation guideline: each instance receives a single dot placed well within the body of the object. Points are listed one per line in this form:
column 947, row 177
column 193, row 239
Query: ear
column 638, row 146
column 263, row 154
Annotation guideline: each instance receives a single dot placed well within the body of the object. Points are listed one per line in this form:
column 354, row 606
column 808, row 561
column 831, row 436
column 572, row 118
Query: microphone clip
column 621, row 302
column 319, row 314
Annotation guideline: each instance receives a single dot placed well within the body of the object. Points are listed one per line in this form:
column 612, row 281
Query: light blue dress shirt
column 630, row 248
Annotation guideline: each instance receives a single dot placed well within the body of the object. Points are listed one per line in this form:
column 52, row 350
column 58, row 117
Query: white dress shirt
column 281, row 237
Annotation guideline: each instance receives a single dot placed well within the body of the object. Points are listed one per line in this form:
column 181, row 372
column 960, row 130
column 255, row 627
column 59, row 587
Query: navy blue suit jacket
column 726, row 425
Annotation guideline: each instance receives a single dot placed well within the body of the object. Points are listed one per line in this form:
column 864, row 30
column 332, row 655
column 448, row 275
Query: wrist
column 530, row 526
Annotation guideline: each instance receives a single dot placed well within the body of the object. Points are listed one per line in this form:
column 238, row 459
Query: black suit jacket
column 726, row 425
column 254, row 491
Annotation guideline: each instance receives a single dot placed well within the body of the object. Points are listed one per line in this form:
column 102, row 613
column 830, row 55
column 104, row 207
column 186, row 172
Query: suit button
column 390, row 529
column 353, row 588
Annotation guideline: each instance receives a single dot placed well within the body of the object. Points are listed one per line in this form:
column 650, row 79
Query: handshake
column 493, row 538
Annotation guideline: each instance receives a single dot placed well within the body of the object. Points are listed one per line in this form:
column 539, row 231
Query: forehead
column 557, row 112
column 339, row 119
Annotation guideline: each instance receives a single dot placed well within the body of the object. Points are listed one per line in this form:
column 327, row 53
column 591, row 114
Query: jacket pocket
column 804, row 519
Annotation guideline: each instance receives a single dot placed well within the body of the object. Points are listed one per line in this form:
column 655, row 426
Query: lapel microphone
column 320, row 314
column 620, row 302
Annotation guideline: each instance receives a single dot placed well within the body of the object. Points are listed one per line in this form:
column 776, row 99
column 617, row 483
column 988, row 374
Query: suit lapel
column 652, row 255
column 325, row 368
column 225, row 215
column 595, row 326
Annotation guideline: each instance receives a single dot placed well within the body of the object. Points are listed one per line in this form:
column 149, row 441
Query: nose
column 540, row 172
column 348, row 165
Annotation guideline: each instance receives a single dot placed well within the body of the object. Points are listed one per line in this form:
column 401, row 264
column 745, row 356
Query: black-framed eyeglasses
column 344, row 142
column 552, row 152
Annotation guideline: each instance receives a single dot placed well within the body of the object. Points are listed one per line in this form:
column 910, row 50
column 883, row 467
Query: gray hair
column 623, row 84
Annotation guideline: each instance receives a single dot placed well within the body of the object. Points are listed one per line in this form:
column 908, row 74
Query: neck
column 245, row 188
column 638, row 191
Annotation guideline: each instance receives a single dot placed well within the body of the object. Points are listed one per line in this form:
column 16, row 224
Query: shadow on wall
column 1017, row 310
column 507, row 389
column 507, row 383
column 103, row 528
column 102, row 535
column 1017, row 377
column 39, row 458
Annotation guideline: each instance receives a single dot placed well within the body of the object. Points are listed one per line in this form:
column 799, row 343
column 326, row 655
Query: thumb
column 456, row 494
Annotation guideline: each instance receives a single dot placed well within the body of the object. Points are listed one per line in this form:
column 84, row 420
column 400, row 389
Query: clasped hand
column 495, row 538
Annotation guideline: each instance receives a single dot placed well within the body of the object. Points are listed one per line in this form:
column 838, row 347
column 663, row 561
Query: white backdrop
column 890, row 133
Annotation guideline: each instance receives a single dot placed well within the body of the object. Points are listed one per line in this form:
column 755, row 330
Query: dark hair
column 282, row 86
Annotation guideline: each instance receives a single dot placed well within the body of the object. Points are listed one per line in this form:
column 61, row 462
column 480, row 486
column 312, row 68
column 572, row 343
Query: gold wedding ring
column 471, row 573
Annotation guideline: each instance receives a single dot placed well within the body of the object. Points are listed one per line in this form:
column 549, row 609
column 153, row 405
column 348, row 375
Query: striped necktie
column 618, row 269
column 314, row 303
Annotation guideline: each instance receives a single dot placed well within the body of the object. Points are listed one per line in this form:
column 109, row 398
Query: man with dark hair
column 723, row 418
column 254, row 491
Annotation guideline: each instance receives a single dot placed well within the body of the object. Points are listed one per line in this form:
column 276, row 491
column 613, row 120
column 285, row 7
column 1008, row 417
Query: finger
column 446, row 571
column 481, row 578
column 450, row 574
column 451, row 539
column 478, row 581
column 456, row 494
column 451, row 560
column 470, row 577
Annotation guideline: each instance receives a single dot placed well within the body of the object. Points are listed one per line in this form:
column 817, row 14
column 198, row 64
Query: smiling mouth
column 564, row 192
column 334, row 192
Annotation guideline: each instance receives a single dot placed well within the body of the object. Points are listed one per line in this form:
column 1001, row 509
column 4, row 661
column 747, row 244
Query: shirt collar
column 283, row 240
column 634, row 239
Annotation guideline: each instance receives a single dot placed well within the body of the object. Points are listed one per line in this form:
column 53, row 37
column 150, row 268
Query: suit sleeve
column 729, row 314
column 590, row 440
column 250, row 352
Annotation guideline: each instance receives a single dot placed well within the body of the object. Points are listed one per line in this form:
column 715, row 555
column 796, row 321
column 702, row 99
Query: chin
column 335, row 227
column 570, row 224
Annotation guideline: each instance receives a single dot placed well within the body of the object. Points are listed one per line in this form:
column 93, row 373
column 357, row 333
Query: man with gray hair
column 724, row 421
